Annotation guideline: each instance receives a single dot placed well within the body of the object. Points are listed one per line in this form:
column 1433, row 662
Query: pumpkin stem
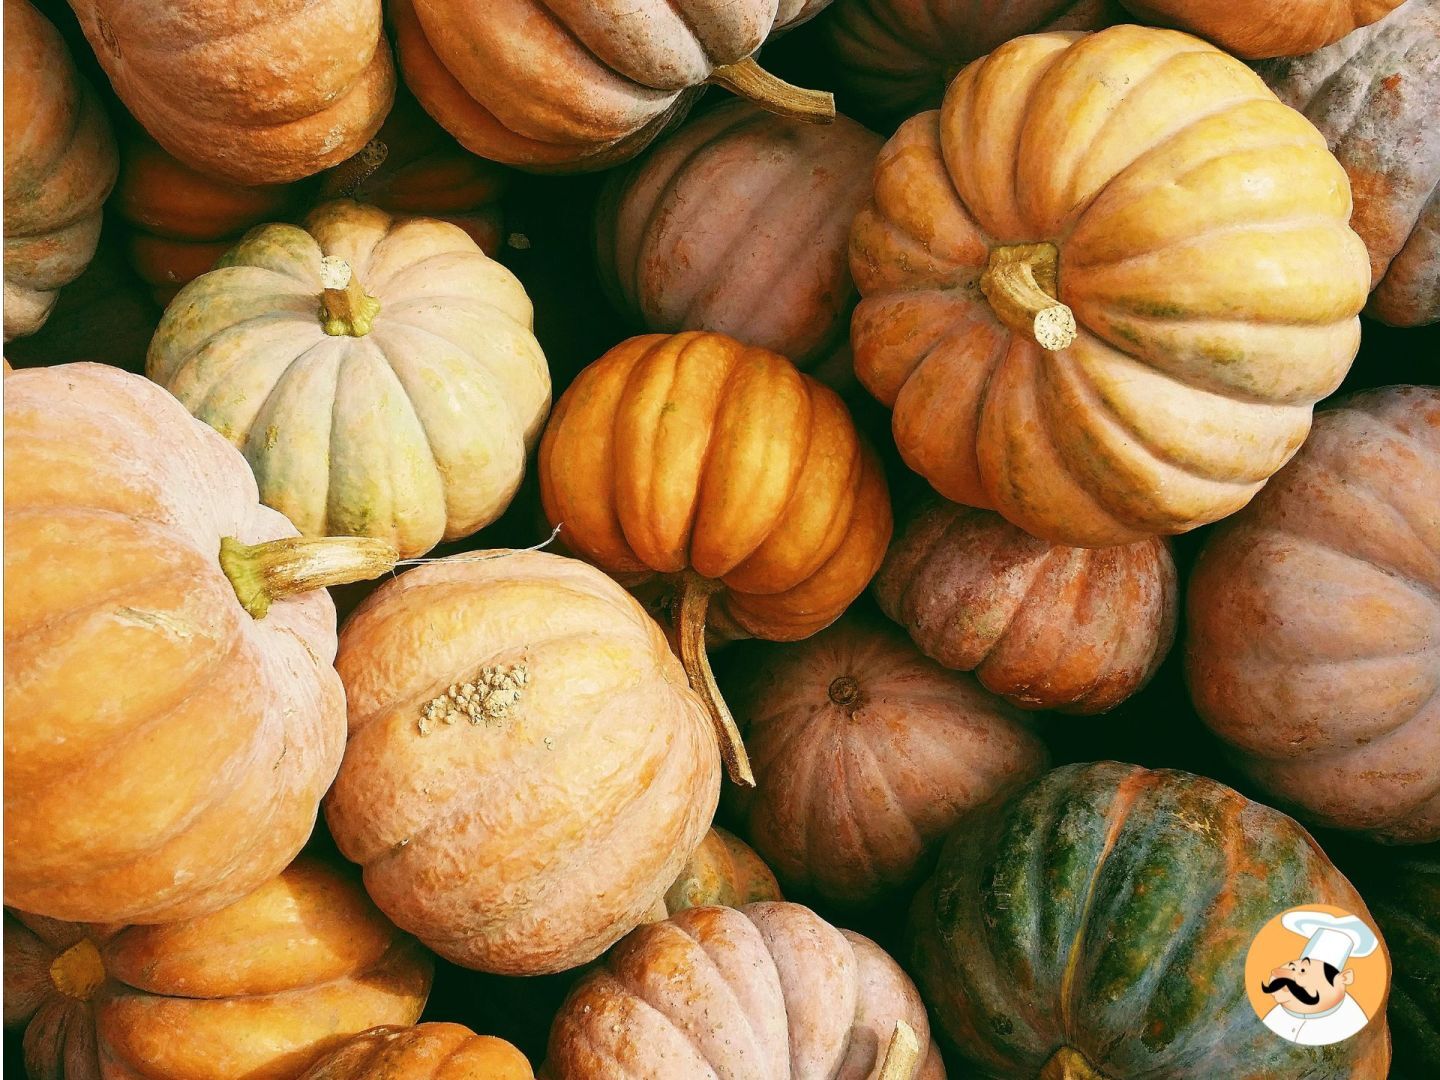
column 345, row 179
column 694, row 601
column 1067, row 1063
column 844, row 690
column 275, row 569
column 902, row 1056
column 346, row 309
column 1022, row 283
column 754, row 83
column 78, row 971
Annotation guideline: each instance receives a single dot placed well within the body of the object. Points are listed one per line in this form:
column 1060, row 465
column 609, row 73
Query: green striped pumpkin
column 1095, row 927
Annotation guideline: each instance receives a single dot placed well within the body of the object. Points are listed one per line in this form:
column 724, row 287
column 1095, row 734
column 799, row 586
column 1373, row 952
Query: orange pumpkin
column 260, row 989
column 1314, row 617
column 586, row 86
column 723, row 466
column 527, row 769
column 865, row 753
column 253, row 94
column 1043, row 626
column 426, row 1052
column 1258, row 28
column 171, row 715
column 722, row 870
column 59, row 166
column 1116, row 334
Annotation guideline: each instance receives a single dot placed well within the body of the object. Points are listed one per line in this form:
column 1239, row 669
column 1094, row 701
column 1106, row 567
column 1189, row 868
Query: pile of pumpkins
column 914, row 409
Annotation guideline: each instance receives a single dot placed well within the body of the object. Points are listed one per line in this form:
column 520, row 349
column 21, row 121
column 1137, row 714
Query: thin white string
column 554, row 534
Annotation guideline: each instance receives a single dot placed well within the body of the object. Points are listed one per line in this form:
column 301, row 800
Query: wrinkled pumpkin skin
column 60, row 164
column 1373, row 96
column 865, row 753
column 165, row 752
column 1044, row 626
column 250, row 94
column 1254, row 29
column 1314, row 618
column 532, row 838
column 768, row 991
column 1210, row 314
column 739, row 223
column 723, row 871
column 415, row 431
column 573, row 87
column 1096, row 925
column 259, row 989
column 426, row 1052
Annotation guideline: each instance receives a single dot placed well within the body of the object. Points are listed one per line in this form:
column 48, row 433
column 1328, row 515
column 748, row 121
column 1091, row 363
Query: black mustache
column 1295, row 988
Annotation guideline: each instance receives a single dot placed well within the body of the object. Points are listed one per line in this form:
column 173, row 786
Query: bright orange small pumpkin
column 1253, row 29
column 721, row 465
column 424, row 1052
column 723, row 870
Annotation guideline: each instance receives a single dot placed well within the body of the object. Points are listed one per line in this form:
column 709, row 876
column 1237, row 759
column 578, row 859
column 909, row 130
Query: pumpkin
column 722, row 870
column 380, row 375
column 896, row 56
column 738, row 223
column 1313, row 646
column 768, row 991
column 1373, row 97
column 1044, row 626
column 60, row 164
column 171, row 715
column 527, row 770
column 587, row 86
column 1117, row 336
column 1253, row 28
column 253, row 95
column 426, row 1052
column 721, row 465
column 1096, row 925
column 259, row 989
column 865, row 753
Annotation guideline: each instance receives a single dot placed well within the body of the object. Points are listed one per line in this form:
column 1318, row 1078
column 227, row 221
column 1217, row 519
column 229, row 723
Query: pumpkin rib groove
column 215, row 390
column 892, row 797
column 174, row 371
column 1421, row 588
column 1229, row 228
column 868, row 861
column 730, row 993
column 408, row 405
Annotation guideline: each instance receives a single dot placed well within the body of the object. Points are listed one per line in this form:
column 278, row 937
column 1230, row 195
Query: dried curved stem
column 695, row 596
column 270, row 571
column 773, row 94
column 1022, row 283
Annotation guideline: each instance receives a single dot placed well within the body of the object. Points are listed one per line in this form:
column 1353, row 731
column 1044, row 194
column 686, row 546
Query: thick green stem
column 754, row 83
column 1067, row 1063
column 346, row 309
column 1022, row 284
column 275, row 569
column 694, row 602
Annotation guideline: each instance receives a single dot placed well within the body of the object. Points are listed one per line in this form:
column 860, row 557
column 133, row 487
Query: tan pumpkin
column 1373, row 96
column 260, row 989
column 865, row 753
column 1258, row 28
column 1120, row 333
column 739, row 223
column 1314, row 622
column 171, row 715
column 1044, row 626
column 577, row 86
column 60, row 164
column 722, row 870
column 379, row 374
column 426, row 1052
column 527, row 770
column 769, row 991
column 254, row 94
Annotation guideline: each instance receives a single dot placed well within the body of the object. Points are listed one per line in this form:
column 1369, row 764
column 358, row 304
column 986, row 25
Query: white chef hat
column 1332, row 939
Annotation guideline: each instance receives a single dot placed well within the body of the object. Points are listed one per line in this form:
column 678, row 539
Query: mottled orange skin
column 1314, row 623
column 1044, row 626
column 1253, row 29
column 165, row 752
column 260, row 989
column 425, row 1052
column 722, row 871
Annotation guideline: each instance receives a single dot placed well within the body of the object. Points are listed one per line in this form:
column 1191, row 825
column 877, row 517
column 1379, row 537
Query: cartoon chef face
column 1317, row 981
column 1308, row 986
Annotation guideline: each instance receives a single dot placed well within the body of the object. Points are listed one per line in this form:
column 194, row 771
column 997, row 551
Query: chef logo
column 1316, row 975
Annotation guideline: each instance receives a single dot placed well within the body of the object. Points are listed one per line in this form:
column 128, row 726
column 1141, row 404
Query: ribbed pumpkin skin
column 692, row 450
column 1404, row 894
column 1203, row 248
column 572, row 86
column 865, row 753
column 1313, row 645
column 426, row 1052
column 259, row 989
column 60, row 164
column 896, row 56
column 1044, row 626
column 165, row 753
column 1254, row 29
column 533, row 841
column 739, row 223
column 768, row 991
column 414, row 432
column 251, row 93
column 722, row 871
column 1108, row 909
column 1373, row 96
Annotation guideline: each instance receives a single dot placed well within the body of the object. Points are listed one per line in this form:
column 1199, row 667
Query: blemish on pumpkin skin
column 156, row 620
